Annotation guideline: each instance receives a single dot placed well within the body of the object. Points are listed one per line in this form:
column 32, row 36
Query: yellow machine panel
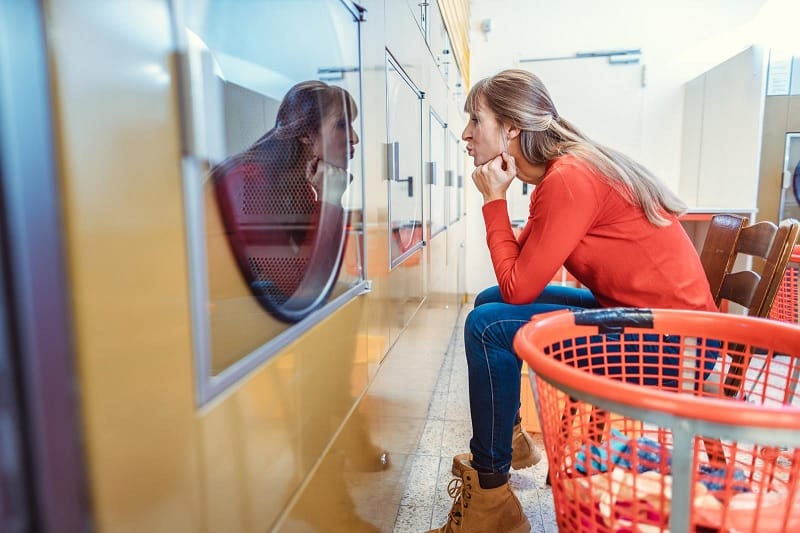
column 190, row 421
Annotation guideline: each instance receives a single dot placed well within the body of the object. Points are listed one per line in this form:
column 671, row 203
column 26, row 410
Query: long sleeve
column 578, row 219
column 563, row 208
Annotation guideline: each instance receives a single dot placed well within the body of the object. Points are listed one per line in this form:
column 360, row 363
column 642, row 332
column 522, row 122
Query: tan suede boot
column 477, row 510
column 523, row 452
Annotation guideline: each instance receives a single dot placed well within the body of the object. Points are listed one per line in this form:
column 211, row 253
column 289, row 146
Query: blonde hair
column 520, row 99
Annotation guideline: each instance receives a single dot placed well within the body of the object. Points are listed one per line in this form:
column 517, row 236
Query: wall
column 679, row 41
column 723, row 115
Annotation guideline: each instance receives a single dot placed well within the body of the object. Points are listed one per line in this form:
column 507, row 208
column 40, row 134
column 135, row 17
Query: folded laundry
column 718, row 478
column 765, row 512
column 641, row 455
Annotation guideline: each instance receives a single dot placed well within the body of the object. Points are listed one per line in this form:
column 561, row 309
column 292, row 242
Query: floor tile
column 426, row 502
column 438, row 406
column 431, row 441
column 421, row 482
column 413, row 518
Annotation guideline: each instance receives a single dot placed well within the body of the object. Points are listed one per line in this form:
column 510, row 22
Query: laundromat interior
column 188, row 347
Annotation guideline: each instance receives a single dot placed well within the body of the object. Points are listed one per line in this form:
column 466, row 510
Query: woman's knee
column 478, row 319
column 491, row 325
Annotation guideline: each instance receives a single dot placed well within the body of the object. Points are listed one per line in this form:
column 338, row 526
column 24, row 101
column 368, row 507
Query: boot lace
column 460, row 495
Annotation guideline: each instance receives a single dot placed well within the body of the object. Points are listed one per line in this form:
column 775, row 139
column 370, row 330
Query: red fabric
column 578, row 220
column 272, row 224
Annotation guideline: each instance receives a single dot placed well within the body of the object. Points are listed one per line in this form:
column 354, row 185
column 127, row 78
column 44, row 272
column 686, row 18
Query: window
column 404, row 163
column 436, row 175
column 273, row 182
column 783, row 74
column 455, row 178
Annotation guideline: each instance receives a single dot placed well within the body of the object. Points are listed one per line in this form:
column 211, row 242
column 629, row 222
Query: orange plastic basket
column 641, row 431
column 785, row 305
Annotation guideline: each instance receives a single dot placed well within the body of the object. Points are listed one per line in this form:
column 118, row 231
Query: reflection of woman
column 594, row 210
column 281, row 200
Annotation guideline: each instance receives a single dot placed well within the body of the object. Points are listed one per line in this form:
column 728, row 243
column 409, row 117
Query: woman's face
column 336, row 140
column 484, row 135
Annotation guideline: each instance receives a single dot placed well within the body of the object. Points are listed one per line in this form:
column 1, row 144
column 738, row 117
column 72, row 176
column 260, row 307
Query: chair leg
column 740, row 359
column 566, row 418
column 715, row 452
column 732, row 387
column 793, row 386
column 597, row 424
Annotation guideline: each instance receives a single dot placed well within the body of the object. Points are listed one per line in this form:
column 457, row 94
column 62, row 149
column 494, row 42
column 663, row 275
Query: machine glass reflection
column 404, row 123
column 438, row 135
column 277, row 122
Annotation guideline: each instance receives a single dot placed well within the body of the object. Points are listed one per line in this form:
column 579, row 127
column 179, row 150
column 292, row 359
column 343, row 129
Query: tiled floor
column 425, row 503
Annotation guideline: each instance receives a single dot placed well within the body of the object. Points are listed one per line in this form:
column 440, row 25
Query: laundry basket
column 785, row 305
column 638, row 430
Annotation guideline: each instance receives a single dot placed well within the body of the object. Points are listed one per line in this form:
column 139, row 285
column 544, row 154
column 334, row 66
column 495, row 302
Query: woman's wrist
column 492, row 197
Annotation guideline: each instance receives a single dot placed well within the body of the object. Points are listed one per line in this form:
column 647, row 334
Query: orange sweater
column 578, row 220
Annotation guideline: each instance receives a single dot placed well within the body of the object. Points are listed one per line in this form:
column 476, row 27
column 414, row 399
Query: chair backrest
column 719, row 249
column 787, row 235
column 728, row 238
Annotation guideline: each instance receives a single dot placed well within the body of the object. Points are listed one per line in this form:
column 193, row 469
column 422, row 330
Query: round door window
column 281, row 200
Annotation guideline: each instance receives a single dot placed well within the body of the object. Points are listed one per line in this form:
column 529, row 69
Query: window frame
column 195, row 165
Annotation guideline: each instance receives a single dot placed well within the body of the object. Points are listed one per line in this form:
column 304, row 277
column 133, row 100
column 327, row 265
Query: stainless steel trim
column 405, row 255
column 359, row 12
column 36, row 291
column 222, row 382
column 395, row 64
column 430, row 173
column 392, row 161
column 198, row 275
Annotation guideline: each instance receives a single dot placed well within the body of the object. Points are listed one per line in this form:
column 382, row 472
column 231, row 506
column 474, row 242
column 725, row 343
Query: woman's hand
column 329, row 181
column 314, row 174
column 494, row 177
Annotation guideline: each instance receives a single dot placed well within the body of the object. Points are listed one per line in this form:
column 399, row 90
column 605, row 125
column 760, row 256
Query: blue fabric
column 618, row 451
column 602, row 356
column 494, row 369
column 716, row 478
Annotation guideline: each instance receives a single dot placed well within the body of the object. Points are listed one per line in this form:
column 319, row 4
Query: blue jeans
column 494, row 369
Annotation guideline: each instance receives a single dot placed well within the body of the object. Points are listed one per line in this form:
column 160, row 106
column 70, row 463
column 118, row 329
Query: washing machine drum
column 288, row 243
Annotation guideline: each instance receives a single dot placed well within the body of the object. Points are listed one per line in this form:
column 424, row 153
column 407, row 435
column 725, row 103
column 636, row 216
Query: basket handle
column 615, row 319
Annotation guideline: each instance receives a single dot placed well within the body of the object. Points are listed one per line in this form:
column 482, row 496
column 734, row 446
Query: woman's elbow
column 514, row 297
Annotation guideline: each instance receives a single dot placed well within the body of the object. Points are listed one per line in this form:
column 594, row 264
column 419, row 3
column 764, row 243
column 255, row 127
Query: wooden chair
column 729, row 238
column 718, row 253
